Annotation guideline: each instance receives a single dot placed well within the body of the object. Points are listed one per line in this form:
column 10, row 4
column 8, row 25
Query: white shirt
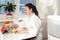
column 33, row 23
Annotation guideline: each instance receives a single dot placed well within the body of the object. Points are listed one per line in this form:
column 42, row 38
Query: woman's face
column 27, row 10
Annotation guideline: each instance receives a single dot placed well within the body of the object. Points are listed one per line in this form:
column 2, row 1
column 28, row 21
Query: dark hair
column 33, row 7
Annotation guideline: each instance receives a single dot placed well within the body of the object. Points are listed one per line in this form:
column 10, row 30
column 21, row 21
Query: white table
column 12, row 36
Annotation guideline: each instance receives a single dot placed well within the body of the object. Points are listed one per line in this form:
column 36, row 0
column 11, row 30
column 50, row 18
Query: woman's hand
column 15, row 26
column 23, row 30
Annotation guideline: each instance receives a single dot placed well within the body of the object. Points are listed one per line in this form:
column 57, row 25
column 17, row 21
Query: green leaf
column 9, row 7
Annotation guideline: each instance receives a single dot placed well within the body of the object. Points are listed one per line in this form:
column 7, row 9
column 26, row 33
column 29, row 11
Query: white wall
column 47, row 7
column 58, row 3
column 42, row 6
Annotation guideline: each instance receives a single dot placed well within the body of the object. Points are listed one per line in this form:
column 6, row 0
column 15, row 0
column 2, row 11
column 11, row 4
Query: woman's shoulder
column 36, row 17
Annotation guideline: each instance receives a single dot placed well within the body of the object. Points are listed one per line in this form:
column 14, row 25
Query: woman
column 32, row 21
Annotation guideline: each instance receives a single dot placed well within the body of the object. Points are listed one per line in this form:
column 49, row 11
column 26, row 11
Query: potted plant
column 9, row 7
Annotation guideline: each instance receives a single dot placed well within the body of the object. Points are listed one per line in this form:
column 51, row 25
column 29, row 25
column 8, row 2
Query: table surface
column 10, row 36
column 13, row 36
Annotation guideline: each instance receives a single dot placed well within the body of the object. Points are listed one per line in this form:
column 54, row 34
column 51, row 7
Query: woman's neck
column 30, row 14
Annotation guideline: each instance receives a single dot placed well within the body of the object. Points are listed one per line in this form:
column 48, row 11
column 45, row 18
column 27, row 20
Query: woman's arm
column 35, row 25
